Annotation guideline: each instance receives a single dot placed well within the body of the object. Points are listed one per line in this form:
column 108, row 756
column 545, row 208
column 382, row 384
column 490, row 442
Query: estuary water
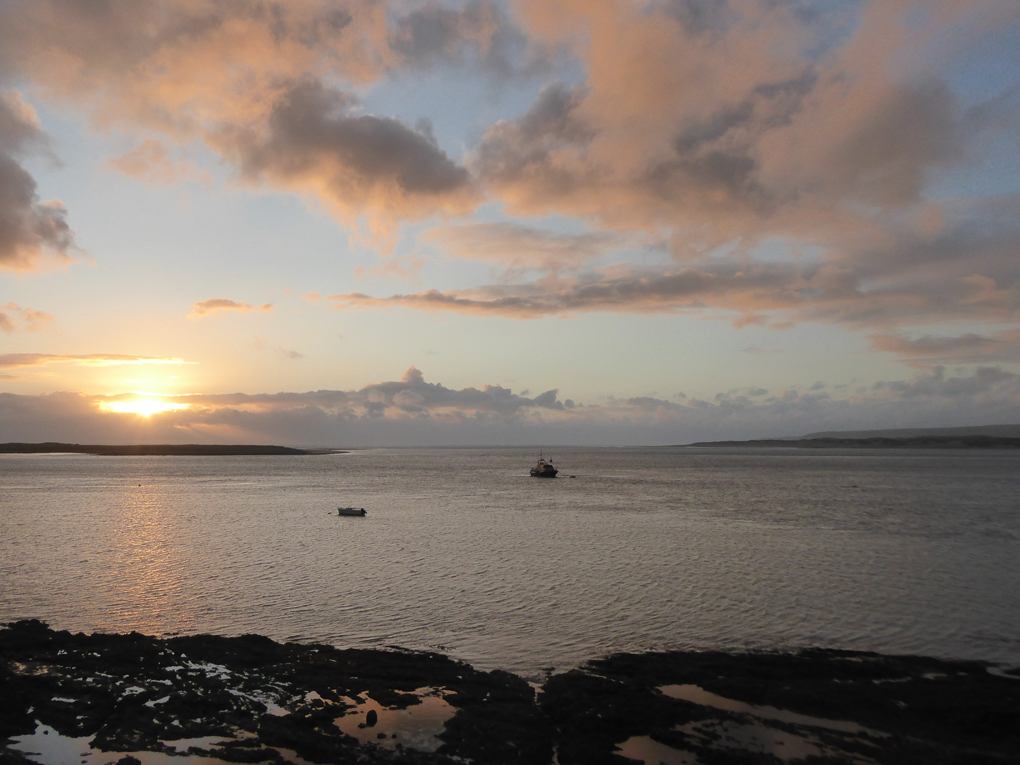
column 463, row 552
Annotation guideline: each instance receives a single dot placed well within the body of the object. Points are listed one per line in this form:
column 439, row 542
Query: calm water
column 463, row 552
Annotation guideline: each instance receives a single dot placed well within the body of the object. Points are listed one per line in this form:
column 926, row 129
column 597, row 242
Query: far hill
column 915, row 442
column 999, row 431
column 969, row 437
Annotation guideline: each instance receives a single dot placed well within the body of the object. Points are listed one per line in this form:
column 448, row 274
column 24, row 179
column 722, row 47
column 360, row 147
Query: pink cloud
column 152, row 162
column 215, row 306
column 13, row 316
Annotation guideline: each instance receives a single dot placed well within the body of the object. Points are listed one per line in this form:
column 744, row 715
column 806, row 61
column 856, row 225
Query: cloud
column 216, row 306
column 1002, row 346
column 983, row 382
column 411, row 395
column 354, row 164
column 477, row 34
column 31, row 232
column 12, row 316
column 729, row 129
column 152, row 162
column 283, row 353
column 412, row 411
column 764, row 121
column 179, row 68
column 517, row 247
column 737, row 127
column 964, row 271
column 745, row 289
column 245, row 78
column 14, row 360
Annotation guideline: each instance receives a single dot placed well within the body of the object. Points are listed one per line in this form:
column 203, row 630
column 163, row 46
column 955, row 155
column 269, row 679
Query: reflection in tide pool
column 899, row 552
column 417, row 726
column 752, row 730
column 698, row 695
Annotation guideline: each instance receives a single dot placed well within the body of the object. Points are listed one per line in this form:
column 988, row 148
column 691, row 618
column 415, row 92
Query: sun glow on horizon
column 144, row 407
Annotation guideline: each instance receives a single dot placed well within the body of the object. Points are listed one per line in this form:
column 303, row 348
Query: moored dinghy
column 355, row 511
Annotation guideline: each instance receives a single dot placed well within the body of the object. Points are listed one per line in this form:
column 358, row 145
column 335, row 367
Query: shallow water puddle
column 651, row 752
column 416, row 727
column 756, row 738
column 752, row 736
column 698, row 695
column 47, row 747
column 759, row 738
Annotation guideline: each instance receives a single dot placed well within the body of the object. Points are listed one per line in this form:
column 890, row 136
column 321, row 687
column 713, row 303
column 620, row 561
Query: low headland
column 877, row 442
column 967, row 437
column 157, row 450
column 116, row 698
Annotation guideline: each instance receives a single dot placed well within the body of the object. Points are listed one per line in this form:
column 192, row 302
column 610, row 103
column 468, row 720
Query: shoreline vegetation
column 158, row 450
column 251, row 699
column 877, row 442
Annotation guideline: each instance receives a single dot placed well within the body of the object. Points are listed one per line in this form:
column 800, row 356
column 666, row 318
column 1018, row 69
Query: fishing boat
column 544, row 469
column 358, row 511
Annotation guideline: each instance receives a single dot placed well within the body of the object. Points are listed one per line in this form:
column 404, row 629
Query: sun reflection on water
column 147, row 561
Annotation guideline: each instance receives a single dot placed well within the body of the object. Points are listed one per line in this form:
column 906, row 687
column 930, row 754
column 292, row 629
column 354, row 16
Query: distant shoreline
column 915, row 442
column 158, row 450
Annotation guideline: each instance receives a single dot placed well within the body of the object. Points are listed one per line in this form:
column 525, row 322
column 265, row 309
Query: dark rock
column 132, row 693
column 920, row 710
column 15, row 701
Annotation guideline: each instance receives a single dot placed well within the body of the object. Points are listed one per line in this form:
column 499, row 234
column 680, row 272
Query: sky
column 521, row 222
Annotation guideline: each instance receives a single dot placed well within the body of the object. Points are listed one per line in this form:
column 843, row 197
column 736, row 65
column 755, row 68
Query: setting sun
column 145, row 407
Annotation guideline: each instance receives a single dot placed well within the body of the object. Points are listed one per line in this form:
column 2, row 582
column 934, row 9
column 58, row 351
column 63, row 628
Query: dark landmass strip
column 250, row 699
column 1000, row 431
column 917, row 442
column 149, row 450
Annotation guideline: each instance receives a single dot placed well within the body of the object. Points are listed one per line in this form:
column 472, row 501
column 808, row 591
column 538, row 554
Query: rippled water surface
column 462, row 551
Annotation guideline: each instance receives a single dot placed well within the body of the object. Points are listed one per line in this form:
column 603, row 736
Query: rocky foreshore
column 128, row 699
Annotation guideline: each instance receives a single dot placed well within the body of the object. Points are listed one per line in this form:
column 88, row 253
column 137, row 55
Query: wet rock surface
column 815, row 706
column 250, row 699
